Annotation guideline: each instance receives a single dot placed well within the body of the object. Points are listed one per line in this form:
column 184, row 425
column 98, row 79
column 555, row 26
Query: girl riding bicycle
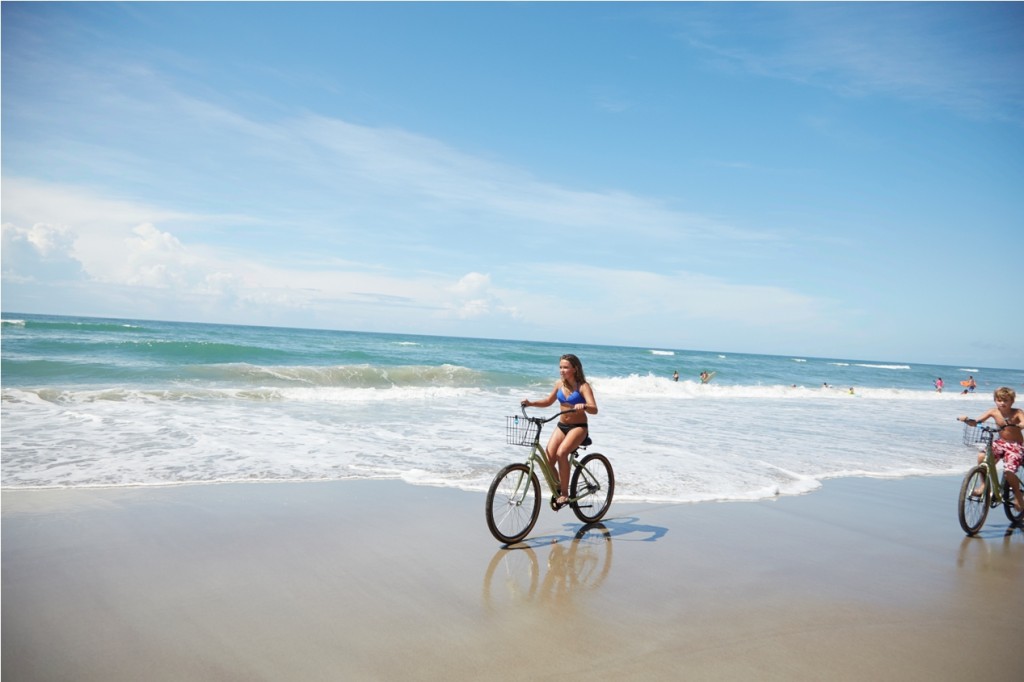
column 1010, row 445
column 577, row 401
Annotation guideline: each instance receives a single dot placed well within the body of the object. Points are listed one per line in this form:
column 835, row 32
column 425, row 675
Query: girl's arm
column 590, row 407
column 541, row 403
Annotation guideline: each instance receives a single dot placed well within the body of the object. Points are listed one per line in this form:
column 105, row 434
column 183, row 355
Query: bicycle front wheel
column 591, row 488
column 974, row 496
column 513, row 503
column 1016, row 517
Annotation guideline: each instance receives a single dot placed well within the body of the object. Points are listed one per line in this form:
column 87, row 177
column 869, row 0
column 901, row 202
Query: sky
column 828, row 180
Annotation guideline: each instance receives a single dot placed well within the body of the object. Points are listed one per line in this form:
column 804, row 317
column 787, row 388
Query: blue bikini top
column 574, row 398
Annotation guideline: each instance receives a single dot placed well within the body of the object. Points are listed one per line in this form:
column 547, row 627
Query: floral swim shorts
column 1011, row 453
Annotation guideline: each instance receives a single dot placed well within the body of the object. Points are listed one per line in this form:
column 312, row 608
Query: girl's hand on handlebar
column 525, row 403
column 582, row 406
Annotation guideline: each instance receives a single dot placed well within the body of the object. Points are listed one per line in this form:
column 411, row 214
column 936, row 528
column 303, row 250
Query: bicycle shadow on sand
column 628, row 529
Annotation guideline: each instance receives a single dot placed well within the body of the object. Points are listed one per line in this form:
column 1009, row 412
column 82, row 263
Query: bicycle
column 513, row 499
column 982, row 488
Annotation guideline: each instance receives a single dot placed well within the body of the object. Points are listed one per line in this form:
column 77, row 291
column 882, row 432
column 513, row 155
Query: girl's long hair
column 578, row 367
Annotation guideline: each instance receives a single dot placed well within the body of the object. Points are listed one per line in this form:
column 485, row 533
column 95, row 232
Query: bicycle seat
column 586, row 442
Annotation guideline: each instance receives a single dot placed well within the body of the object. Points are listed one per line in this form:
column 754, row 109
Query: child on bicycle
column 577, row 401
column 1010, row 445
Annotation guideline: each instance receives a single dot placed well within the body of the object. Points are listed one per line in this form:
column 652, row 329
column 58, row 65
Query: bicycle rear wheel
column 1016, row 517
column 591, row 488
column 513, row 503
column 973, row 508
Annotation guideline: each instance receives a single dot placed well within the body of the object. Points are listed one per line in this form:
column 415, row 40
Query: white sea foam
column 668, row 441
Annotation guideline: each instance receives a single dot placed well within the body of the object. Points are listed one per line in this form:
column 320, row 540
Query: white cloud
column 50, row 241
column 39, row 252
column 474, row 296
column 123, row 247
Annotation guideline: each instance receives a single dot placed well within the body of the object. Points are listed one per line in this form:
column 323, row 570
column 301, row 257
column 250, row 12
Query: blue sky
column 832, row 180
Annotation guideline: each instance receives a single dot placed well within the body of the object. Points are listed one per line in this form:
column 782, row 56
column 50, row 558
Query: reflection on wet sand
column 573, row 565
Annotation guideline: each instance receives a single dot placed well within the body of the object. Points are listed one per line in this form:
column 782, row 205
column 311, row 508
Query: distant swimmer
column 938, row 385
column 675, row 376
column 706, row 376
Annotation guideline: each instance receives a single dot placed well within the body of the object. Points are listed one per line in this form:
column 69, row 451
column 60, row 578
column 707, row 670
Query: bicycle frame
column 539, row 459
column 990, row 471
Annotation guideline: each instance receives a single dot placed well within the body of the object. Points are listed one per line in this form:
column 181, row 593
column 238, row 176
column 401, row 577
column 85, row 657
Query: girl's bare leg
column 569, row 444
column 554, row 445
column 560, row 446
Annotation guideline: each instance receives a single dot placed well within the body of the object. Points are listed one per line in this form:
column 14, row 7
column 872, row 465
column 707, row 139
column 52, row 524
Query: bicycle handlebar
column 542, row 420
column 984, row 427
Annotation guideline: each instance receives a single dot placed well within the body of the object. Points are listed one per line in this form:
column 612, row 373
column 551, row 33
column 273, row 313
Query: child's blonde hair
column 1005, row 393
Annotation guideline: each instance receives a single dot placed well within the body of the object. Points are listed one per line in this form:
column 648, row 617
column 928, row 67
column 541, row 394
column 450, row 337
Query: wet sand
column 379, row 580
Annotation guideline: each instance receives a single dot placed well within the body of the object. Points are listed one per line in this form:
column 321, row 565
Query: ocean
column 107, row 402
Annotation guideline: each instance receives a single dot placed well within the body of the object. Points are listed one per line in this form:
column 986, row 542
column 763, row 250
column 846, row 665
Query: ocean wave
column 214, row 396
column 175, row 352
column 870, row 366
column 76, row 326
column 661, row 352
column 646, row 386
column 345, row 376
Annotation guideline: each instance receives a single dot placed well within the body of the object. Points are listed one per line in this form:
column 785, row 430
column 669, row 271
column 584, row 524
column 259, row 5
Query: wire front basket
column 521, row 431
column 973, row 435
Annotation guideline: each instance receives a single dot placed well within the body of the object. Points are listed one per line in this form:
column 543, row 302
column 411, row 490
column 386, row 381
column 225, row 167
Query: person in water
column 1009, row 447
column 576, row 398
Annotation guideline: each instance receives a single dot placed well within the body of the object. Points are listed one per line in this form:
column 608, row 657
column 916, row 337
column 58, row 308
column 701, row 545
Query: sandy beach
column 379, row 580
